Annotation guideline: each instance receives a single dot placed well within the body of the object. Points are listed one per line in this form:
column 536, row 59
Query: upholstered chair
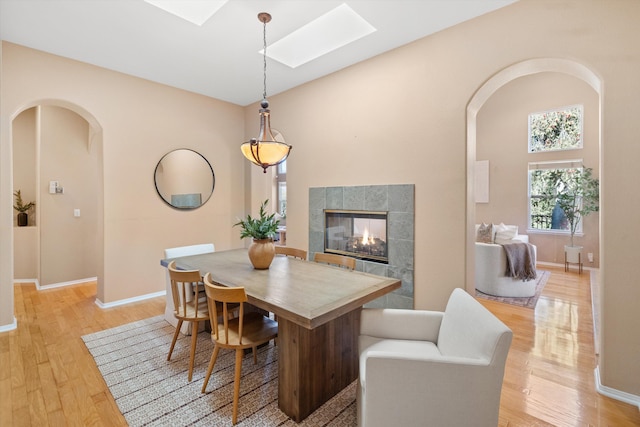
column 432, row 368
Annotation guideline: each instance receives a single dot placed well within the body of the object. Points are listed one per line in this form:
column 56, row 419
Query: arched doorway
column 69, row 224
column 481, row 96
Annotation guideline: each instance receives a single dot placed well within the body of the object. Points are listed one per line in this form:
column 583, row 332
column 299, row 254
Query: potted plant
column 262, row 230
column 576, row 193
column 23, row 217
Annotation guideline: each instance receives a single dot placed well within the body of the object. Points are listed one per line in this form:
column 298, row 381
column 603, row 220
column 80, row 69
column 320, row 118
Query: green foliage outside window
column 544, row 214
column 562, row 197
column 556, row 130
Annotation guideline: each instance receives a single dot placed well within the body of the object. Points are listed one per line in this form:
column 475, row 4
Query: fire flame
column 366, row 238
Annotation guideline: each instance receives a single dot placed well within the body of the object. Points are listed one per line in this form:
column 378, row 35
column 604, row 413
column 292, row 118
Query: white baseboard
column 69, row 283
column 555, row 264
column 10, row 326
column 29, row 281
column 129, row 300
column 622, row 396
column 55, row 285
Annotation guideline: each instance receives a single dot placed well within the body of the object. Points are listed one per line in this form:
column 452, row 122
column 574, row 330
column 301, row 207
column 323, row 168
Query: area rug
column 151, row 391
column 529, row 302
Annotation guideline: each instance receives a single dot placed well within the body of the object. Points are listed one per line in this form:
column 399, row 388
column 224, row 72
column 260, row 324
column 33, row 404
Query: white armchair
column 432, row 368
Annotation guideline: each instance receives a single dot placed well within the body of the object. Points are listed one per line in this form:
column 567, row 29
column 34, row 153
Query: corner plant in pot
column 576, row 193
column 262, row 230
column 22, row 208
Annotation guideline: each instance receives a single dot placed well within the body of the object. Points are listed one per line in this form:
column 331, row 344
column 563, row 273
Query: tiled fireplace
column 357, row 206
column 356, row 233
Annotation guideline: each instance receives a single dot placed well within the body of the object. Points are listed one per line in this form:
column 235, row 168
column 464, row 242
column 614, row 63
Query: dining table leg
column 316, row 364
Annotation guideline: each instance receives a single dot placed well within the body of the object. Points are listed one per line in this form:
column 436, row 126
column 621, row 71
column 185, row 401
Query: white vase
column 572, row 254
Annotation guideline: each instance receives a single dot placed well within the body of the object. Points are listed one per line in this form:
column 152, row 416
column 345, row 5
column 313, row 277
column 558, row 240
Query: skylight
column 333, row 30
column 195, row 11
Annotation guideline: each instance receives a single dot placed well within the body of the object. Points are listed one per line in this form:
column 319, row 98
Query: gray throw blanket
column 521, row 263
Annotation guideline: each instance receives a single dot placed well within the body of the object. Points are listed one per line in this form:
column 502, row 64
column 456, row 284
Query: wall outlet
column 590, row 256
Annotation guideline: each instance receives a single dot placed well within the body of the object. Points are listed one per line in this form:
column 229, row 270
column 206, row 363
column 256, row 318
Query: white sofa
column 491, row 266
column 431, row 368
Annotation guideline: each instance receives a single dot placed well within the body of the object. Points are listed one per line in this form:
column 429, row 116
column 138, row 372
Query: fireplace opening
column 359, row 234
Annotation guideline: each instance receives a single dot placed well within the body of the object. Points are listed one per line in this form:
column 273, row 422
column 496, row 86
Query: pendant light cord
column 264, row 58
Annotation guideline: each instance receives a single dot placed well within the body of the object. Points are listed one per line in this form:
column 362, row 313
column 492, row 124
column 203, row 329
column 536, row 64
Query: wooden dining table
column 318, row 310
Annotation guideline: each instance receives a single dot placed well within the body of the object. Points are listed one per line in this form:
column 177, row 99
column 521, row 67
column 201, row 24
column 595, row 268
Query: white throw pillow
column 505, row 233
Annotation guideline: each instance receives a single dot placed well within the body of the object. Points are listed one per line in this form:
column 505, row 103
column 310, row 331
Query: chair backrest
column 468, row 329
column 229, row 298
column 183, row 288
column 204, row 248
column 339, row 260
column 294, row 252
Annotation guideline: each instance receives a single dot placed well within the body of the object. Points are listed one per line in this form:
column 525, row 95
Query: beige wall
column 140, row 122
column 24, row 154
column 399, row 118
column 68, row 245
column 25, row 247
column 502, row 129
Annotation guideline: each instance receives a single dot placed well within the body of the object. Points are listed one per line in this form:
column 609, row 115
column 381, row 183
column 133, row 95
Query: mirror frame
column 206, row 165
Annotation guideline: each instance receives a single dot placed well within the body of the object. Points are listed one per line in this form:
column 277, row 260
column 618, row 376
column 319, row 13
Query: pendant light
column 265, row 151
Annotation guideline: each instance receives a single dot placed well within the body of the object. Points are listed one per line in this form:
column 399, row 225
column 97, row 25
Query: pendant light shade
column 265, row 151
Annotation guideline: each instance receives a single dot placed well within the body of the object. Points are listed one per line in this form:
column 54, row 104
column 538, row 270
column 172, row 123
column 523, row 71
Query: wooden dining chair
column 239, row 333
column 339, row 260
column 294, row 252
column 176, row 252
column 188, row 306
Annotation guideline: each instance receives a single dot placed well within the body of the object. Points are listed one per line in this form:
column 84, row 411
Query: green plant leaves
column 19, row 205
column 262, row 227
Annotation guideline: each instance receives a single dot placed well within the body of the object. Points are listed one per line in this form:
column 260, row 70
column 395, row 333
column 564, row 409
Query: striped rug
column 151, row 391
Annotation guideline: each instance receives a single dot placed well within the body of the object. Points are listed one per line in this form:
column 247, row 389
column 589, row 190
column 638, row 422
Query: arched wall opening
column 482, row 95
column 79, row 210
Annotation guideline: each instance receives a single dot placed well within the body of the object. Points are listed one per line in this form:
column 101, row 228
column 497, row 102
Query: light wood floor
column 47, row 376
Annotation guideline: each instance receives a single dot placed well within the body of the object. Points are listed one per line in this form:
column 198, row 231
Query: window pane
column 282, row 167
column 281, row 187
column 556, row 130
column 544, row 212
column 282, row 198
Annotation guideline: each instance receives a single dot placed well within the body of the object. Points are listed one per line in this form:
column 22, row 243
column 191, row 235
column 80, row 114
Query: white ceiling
column 221, row 58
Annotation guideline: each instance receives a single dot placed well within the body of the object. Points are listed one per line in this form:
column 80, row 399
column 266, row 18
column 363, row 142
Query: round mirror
column 184, row 179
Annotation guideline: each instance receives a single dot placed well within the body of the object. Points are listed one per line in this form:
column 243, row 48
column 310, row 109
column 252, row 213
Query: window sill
column 553, row 232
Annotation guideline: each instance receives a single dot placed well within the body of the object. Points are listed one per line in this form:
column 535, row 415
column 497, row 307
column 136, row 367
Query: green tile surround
column 398, row 201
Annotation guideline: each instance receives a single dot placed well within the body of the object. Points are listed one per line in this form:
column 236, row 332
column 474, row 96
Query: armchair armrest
column 401, row 324
column 394, row 356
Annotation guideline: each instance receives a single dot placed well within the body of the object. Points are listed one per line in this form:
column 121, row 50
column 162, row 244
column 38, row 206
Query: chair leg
column 254, row 350
column 236, row 385
column 212, row 362
column 175, row 338
column 194, row 342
